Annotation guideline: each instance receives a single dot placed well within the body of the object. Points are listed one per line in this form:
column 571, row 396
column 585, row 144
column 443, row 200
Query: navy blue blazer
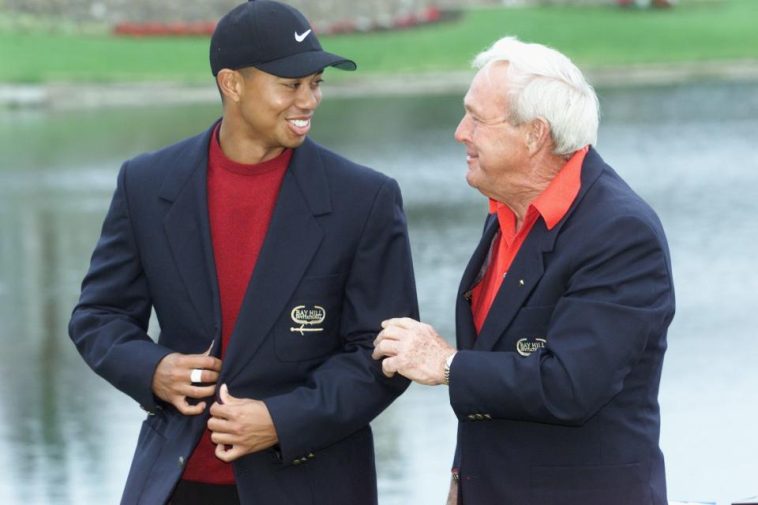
column 336, row 261
column 557, row 397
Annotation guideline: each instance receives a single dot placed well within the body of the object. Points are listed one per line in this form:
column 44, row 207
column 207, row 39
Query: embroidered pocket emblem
column 308, row 318
column 526, row 346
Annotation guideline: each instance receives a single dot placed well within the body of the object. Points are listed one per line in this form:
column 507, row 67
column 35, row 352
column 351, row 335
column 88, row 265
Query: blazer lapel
column 528, row 266
column 523, row 275
column 187, row 228
column 293, row 237
column 465, row 331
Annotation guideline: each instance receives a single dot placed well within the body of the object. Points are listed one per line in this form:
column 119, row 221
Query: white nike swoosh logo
column 300, row 37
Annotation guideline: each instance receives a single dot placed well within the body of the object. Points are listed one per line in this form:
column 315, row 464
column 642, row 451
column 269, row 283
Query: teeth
column 300, row 123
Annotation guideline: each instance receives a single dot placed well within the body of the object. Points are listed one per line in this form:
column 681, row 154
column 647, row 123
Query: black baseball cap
column 273, row 37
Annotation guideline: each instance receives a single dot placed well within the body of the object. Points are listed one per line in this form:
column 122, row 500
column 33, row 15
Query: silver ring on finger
column 196, row 376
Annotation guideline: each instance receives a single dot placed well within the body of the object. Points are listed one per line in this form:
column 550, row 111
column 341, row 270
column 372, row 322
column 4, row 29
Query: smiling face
column 497, row 152
column 271, row 113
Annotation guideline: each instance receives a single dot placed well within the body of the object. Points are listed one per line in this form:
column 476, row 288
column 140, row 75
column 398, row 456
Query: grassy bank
column 596, row 36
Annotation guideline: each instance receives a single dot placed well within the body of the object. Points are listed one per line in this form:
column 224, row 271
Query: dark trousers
column 188, row 492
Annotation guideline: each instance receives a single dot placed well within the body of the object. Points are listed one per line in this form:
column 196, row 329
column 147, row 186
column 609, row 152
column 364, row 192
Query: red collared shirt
column 552, row 204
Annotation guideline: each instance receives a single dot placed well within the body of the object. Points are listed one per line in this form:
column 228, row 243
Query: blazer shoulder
column 338, row 167
column 611, row 216
column 160, row 162
column 606, row 197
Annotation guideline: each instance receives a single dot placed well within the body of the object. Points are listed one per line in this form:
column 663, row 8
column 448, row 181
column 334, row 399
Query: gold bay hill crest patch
column 308, row 317
column 526, row 346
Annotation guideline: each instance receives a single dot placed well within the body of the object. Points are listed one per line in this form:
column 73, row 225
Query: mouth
column 299, row 126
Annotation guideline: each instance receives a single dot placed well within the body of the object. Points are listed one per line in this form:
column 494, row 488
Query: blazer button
column 311, row 455
column 487, row 416
column 479, row 417
column 472, row 417
column 180, row 461
column 296, row 462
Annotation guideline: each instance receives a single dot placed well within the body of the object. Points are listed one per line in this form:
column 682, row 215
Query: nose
column 308, row 97
column 463, row 131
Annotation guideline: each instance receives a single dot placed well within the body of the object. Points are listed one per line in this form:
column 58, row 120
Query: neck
column 518, row 195
column 242, row 149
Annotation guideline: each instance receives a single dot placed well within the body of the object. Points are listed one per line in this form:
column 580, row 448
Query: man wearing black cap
column 269, row 262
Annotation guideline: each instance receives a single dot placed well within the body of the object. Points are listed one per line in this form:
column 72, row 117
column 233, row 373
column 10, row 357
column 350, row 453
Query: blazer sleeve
column 616, row 306
column 109, row 324
column 349, row 389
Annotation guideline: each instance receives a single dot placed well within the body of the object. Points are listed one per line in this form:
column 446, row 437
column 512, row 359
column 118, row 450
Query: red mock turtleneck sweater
column 241, row 201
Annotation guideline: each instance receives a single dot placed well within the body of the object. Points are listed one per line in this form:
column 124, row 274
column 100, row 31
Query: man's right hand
column 172, row 383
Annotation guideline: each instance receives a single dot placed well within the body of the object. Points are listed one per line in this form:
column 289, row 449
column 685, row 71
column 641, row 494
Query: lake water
column 66, row 436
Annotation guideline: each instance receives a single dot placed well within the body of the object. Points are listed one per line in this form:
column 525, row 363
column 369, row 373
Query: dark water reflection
column 66, row 436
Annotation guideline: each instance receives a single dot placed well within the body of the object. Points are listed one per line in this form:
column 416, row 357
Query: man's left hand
column 240, row 426
column 412, row 349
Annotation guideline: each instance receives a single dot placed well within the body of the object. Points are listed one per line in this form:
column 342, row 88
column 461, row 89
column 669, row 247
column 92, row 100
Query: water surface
column 66, row 436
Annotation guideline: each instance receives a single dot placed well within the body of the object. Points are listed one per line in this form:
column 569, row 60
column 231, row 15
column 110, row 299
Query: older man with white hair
column 563, row 309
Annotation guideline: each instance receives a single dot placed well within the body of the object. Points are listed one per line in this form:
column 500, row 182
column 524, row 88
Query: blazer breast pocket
column 309, row 328
column 527, row 332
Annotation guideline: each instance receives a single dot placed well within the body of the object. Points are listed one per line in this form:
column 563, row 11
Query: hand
column 171, row 381
column 240, row 426
column 413, row 349
column 452, row 495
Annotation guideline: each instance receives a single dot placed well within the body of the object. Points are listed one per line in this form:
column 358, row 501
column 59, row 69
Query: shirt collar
column 553, row 203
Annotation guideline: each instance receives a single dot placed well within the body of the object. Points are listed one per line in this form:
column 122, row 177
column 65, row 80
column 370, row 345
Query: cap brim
column 307, row 63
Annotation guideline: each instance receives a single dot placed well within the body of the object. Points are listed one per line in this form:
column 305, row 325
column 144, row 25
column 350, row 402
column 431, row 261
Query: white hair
column 541, row 82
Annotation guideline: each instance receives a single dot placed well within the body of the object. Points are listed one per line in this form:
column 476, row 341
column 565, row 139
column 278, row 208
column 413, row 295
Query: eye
column 475, row 118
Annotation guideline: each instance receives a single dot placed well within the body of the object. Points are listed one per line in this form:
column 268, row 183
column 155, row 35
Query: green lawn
column 695, row 30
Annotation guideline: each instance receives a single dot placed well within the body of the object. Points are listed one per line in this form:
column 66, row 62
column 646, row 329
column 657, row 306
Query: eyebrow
column 470, row 108
column 302, row 78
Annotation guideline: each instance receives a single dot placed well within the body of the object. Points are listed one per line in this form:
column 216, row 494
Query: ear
column 538, row 135
column 230, row 84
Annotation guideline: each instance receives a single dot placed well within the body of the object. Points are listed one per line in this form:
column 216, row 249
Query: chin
column 471, row 179
column 295, row 142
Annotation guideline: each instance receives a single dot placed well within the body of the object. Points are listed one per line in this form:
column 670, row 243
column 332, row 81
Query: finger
column 223, row 438
column 197, row 361
column 385, row 348
column 225, row 397
column 389, row 368
column 207, row 376
column 227, row 455
column 210, row 377
column 201, row 361
column 377, row 354
column 221, row 452
column 192, row 391
column 402, row 322
column 396, row 334
column 216, row 410
column 219, row 424
column 379, row 338
column 189, row 410
column 222, row 411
